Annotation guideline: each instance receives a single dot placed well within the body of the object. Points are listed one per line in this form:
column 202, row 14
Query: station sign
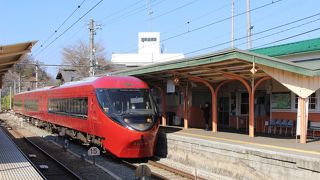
column 170, row 86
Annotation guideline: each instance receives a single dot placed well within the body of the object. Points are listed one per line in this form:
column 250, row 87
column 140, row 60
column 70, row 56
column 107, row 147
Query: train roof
column 107, row 82
column 37, row 90
column 80, row 82
column 99, row 82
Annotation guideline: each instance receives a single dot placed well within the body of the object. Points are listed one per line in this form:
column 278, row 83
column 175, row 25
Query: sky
column 192, row 27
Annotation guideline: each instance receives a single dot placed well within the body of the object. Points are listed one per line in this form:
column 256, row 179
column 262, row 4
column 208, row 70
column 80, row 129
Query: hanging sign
column 170, row 86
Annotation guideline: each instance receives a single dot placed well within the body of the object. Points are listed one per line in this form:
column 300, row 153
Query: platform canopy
column 11, row 54
column 215, row 67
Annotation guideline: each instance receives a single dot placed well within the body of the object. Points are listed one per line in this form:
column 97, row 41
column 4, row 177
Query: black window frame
column 67, row 107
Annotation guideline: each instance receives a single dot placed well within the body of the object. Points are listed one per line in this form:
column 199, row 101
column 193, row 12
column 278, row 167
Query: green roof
column 310, row 45
column 219, row 57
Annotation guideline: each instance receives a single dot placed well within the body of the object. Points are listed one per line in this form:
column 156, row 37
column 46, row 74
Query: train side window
column 77, row 106
column 81, row 106
column 60, row 106
column 65, row 105
column 71, row 106
column 86, row 106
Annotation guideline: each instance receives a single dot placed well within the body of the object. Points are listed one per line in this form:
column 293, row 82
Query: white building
column 149, row 52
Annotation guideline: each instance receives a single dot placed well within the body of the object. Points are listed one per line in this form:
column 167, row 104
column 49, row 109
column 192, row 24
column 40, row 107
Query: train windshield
column 133, row 107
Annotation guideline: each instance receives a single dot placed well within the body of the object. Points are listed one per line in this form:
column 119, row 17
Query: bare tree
column 22, row 76
column 78, row 55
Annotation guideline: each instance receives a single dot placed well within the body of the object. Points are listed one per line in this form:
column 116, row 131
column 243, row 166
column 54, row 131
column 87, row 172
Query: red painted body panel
column 119, row 140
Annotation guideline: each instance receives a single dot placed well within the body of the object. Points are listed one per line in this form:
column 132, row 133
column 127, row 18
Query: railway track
column 46, row 164
column 158, row 170
column 161, row 171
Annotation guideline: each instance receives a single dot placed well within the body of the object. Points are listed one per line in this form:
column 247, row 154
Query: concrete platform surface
column 284, row 144
column 237, row 156
column 13, row 164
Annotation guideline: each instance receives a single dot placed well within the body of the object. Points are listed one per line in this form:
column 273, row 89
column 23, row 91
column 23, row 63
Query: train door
column 94, row 121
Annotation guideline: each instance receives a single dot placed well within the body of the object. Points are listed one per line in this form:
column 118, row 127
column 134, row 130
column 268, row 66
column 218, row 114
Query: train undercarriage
column 84, row 138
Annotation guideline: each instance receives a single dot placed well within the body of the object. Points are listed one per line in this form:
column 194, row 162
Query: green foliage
column 5, row 102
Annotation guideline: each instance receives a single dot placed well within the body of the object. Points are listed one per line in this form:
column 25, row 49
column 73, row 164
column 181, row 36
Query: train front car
column 132, row 119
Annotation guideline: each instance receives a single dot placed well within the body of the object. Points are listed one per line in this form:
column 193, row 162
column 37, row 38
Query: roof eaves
column 218, row 57
column 275, row 63
column 176, row 64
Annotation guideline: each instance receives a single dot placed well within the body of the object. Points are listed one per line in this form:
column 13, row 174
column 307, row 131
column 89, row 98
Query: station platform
column 13, row 164
column 236, row 155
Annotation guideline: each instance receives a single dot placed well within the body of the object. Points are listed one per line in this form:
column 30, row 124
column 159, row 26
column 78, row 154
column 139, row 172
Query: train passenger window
column 71, row 107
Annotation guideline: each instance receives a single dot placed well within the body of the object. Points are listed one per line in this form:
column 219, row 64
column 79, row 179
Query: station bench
column 314, row 126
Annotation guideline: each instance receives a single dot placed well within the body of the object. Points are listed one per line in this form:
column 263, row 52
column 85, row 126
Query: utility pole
column 14, row 87
column 37, row 76
column 93, row 62
column 150, row 12
column 10, row 98
column 249, row 27
column 19, row 83
column 232, row 23
column 0, row 99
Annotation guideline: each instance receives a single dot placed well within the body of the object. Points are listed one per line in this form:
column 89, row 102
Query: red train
column 117, row 113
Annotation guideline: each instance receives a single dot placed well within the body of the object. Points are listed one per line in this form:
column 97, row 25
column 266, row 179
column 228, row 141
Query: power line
column 69, row 27
column 121, row 10
column 258, row 21
column 55, row 31
column 219, row 21
column 293, row 36
column 212, row 23
column 54, row 65
column 175, row 9
column 132, row 12
column 244, row 37
column 286, row 30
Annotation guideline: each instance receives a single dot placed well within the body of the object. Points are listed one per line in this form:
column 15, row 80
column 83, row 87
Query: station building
column 149, row 51
column 273, row 89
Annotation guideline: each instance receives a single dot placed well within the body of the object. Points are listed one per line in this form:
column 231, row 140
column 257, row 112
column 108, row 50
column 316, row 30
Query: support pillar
column 214, row 112
column 186, row 108
column 163, row 102
column 303, row 126
column 251, row 114
column 164, row 109
column 0, row 99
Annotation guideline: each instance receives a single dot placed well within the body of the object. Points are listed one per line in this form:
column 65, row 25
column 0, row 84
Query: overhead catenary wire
column 121, row 10
column 293, row 36
column 210, row 24
column 175, row 9
column 195, row 19
column 57, row 29
column 140, row 9
column 143, row 8
column 254, row 34
column 54, row 65
column 69, row 27
column 270, row 29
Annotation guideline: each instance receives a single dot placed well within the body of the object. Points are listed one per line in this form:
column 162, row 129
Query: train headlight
column 126, row 120
column 149, row 120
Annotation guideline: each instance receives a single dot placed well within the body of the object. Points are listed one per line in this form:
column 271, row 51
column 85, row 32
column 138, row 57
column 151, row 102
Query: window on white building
column 312, row 101
column 281, row 100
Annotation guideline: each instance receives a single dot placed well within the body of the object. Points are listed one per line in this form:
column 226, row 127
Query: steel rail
column 52, row 158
